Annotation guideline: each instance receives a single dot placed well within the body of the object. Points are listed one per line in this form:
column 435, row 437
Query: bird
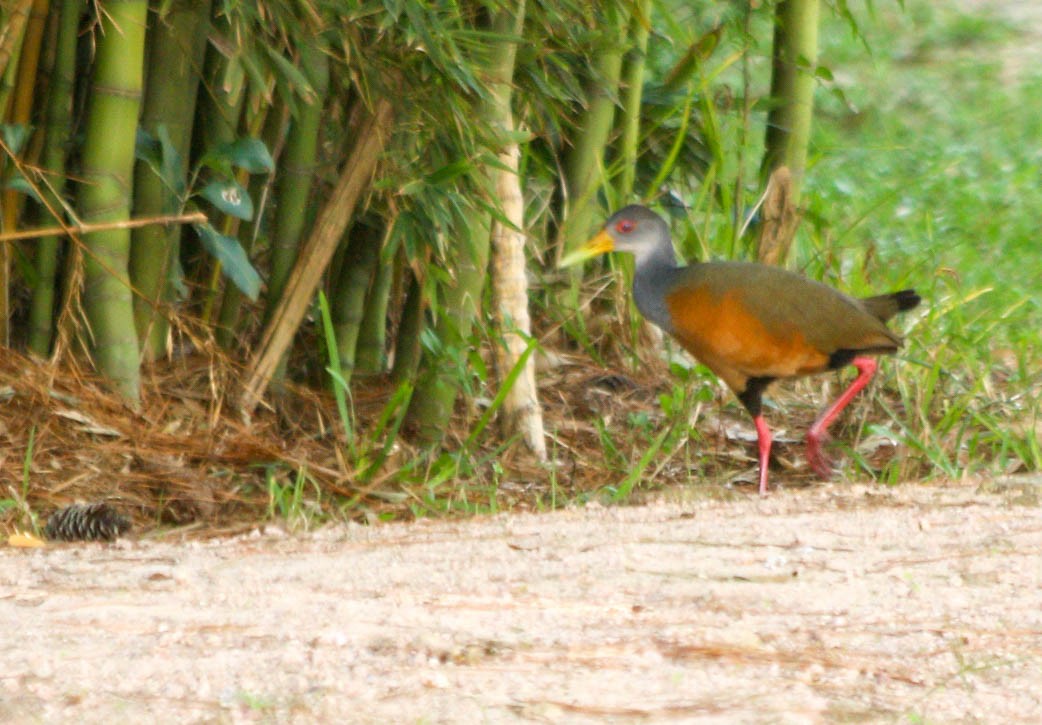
column 751, row 323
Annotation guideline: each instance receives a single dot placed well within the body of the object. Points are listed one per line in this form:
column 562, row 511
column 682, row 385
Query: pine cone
column 86, row 522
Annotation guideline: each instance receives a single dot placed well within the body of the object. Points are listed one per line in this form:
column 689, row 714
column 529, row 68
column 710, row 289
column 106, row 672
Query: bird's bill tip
column 600, row 244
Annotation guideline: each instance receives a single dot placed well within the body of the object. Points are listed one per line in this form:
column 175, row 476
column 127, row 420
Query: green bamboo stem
column 792, row 89
column 407, row 341
column 584, row 163
column 176, row 46
column 349, row 293
column 434, row 399
column 370, row 349
column 57, row 126
column 220, row 110
column 629, row 142
column 297, row 173
column 20, row 113
column 632, row 95
column 107, row 171
column 10, row 49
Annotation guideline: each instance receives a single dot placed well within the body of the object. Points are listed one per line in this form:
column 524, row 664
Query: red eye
column 624, row 226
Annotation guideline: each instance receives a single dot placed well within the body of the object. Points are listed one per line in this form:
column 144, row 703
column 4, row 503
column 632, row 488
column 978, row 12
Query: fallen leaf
column 25, row 541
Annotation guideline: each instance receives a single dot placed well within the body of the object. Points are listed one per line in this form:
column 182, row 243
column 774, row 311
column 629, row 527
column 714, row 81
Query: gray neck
column 653, row 275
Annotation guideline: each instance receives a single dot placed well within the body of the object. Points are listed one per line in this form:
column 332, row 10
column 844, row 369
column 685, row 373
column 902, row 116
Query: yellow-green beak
column 598, row 245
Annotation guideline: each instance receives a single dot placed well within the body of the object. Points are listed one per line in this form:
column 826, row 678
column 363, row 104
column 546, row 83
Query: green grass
column 297, row 503
column 18, row 500
column 931, row 178
column 925, row 171
column 938, row 167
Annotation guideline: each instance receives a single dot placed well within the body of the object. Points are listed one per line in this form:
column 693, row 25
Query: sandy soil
column 839, row 603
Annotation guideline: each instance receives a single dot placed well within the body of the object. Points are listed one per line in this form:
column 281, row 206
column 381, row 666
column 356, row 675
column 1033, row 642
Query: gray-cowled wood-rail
column 752, row 323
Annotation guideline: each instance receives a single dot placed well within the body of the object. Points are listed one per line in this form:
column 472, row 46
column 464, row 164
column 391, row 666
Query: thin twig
column 196, row 217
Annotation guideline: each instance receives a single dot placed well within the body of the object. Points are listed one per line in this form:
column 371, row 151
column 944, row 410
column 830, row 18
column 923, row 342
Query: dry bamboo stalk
column 315, row 255
column 780, row 218
column 10, row 37
column 76, row 229
column 521, row 410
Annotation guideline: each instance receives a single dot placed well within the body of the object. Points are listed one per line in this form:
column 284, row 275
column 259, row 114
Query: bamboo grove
column 395, row 179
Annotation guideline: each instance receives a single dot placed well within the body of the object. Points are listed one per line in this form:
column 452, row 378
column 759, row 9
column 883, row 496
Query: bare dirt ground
column 834, row 604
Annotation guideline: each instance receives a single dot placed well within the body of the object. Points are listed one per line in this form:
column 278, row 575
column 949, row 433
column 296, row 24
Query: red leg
column 763, row 438
column 818, row 432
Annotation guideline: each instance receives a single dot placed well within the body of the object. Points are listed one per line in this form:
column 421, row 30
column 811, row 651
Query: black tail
column 886, row 306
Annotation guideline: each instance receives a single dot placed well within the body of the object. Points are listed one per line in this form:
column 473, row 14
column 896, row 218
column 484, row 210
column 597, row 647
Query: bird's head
column 634, row 229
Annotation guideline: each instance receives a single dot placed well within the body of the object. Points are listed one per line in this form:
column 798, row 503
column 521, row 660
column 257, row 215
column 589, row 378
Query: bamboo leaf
column 235, row 265
column 290, row 75
column 504, row 389
column 249, row 154
column 229, row 197
column 148, row 149
column 249, row 65
column 19, row 183
column 449, row 172
column 341, row 389
column 824, row 73
column 172, row 166
column 161, row 155
column 15, row 135
column 394, row 414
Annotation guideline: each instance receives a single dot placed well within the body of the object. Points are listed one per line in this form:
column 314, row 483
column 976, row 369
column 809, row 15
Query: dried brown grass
column 186, row 458
column 183, row 457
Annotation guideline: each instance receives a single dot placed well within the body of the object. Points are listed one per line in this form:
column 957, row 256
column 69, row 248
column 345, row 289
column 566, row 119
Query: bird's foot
column 818, row 459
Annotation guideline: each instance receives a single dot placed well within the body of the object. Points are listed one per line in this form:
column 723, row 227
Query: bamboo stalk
column 176, row 47
column 219, row 114
column 347, row 301
column 108, row 169
column 632, row 94
column 296, row 173
column 522, row 413
column 11, row 40
column 407, row 339
column 226, row 331
column 584, row 165
column 315, row 255
column 792, row 89
column 20, row 114
column 57, row 129
column 370, row 349
column 780, row 218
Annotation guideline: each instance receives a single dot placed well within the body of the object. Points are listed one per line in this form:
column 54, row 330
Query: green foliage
column 923, row 173
column 367, row 453
column 14, row 137
column 18, row 500
column 162, row 157
column 222, row 191
column 229, row 197
column 297, row 502
column 922, row 179
column 234, row 262
column 248, row 154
